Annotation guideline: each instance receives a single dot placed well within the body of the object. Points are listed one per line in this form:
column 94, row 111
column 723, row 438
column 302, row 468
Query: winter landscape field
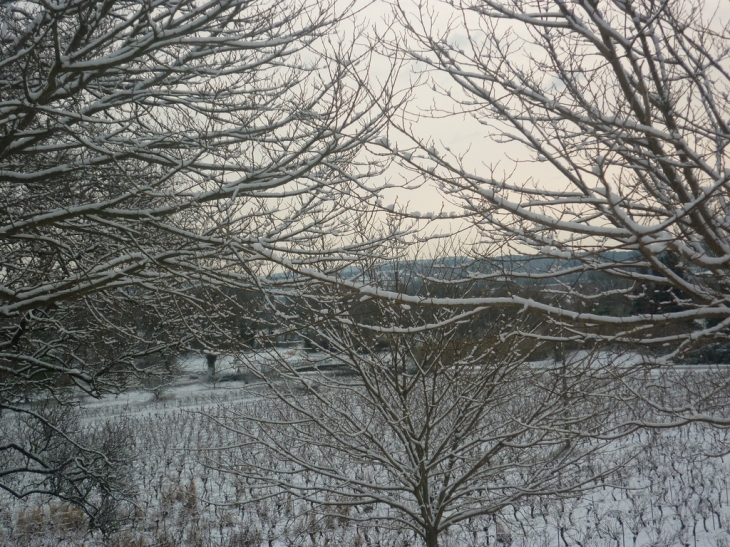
column 369, row 273
column 192, row 479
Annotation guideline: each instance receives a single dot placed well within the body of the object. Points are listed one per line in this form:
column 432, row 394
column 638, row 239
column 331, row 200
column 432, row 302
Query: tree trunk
column 432, row 538
column 210, row 360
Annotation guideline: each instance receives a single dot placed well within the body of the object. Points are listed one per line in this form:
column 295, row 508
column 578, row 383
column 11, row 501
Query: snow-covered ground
column 675, row 493
column 191, row 389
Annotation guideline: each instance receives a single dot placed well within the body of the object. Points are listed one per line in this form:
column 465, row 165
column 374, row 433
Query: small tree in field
column 436, row 429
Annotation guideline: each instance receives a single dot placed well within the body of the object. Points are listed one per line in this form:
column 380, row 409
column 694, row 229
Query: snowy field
column 675, row 492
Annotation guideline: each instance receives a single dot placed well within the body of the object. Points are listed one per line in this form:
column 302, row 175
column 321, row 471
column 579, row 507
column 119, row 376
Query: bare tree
column 150, row 150
column 402, row 418
column 614, row 114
